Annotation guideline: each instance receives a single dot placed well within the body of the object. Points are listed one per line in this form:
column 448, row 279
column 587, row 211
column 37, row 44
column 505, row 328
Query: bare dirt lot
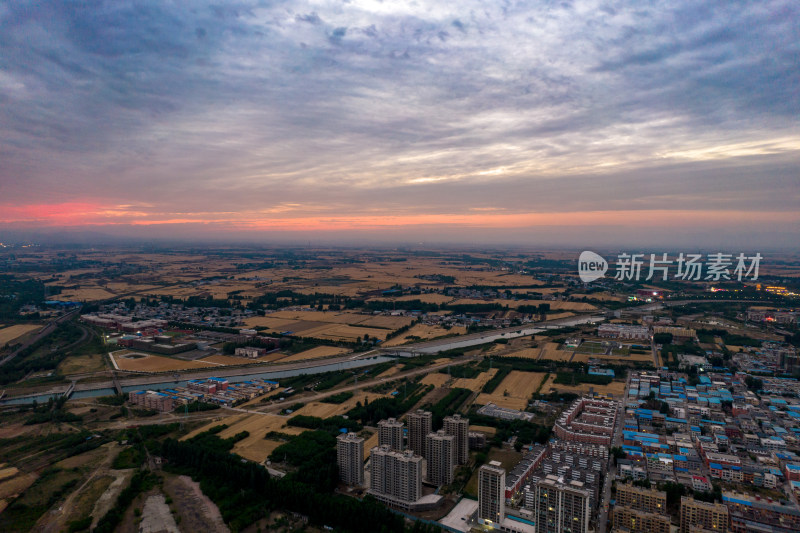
column 196, row 511
column 515, row 390
column 154, row 363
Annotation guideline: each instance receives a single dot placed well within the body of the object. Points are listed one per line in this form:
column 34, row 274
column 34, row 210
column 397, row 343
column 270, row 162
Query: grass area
column 80, row 364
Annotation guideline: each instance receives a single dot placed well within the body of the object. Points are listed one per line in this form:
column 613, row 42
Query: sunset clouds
column 358, row 116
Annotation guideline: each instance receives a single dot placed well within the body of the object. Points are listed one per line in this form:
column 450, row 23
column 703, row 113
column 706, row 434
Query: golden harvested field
column 316, row 353
column 391, row 372
column 154, row 363
column 423, row 331
column 509, row 402
column 84, row 294
column 228, row 360
column 370, row 443
column 551, row 351
column 489, row 430
column 16, row 485
column 515, row 390
column 325, row 410
column 6, row 473
column 435, row 378
column 13, row 332
column 345, row 332
column 476, row 383
column 526, row 353
column 617, row 388
column 387, row 322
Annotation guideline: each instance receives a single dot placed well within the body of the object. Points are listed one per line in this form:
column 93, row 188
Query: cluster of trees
column 52, row 411
column 338, row 398
column 245, row 492
column 28, row 361
column 332, row 425
column 447, row 405
column 371, row 413
column 141, row 481
column 24, row 292
column 526, row 432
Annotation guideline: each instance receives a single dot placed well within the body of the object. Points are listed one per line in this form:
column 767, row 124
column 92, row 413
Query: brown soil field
column 88, row 294
column 155, row 363
column 82, row 363
column 254, row 447
column 551, row 351
column 519, row 386
column 435, row 378
column 391, row 372
column 370, row 443
column 526, row 353
column 6, row 473
column 476, row 383
column 423, row 331
column 489, row 430
column 229, row 360
column 345, row 332
column 617, row 388
column 386, row 322
column 16, row 485
column 325, row 410
column 13, row 332
column 316, row 353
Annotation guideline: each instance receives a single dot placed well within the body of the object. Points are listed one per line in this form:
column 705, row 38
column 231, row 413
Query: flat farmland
column 10, row 333
column 84, row 294
column 255, row 447
column 134, row 362
column 476, row 383
column 316, row 353
column 391, row 372
column 423, row 331
column 344, row 332
column 435, row 378
column 554, row 306
column 429, row 298
column 617, row 388
column 228, row 360
column 515, row 390
column 325, row 410
column 525, row 353
column 488, row 430
column 552, row 351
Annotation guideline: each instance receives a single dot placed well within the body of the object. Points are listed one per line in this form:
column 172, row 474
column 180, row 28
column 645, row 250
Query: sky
column 573, row 122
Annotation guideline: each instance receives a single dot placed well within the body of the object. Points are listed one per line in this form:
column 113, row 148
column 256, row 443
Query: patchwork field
column 423, row 331
column 617, row 388
column 325, row 410
column 228, row 360
column 87, row 294
column 136, row 362
column 515, row 390
column 526, row 353
column 10, row 333
column 315, row 353
column 476, row 383
column 435, row 378
column 552, row 351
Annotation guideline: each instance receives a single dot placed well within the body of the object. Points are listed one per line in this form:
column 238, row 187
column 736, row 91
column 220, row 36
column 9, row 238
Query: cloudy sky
column 535, row 122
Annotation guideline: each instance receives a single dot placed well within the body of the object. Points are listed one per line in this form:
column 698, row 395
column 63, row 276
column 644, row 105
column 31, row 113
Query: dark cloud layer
column 321, row 108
